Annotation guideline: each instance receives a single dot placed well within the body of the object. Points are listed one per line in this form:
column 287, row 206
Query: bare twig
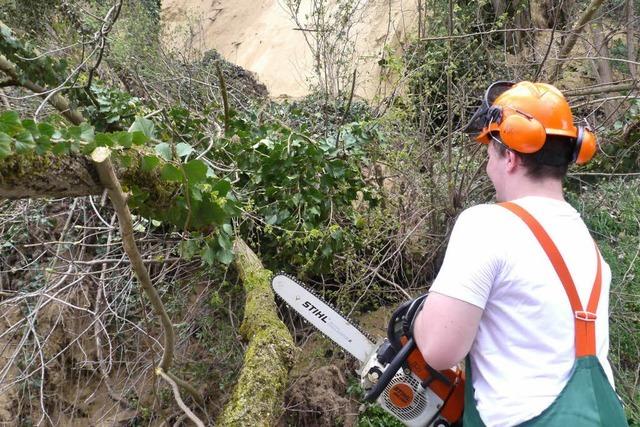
column 176, row 395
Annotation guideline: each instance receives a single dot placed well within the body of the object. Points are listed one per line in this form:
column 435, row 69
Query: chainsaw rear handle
column 401, row 322
column 390, row 371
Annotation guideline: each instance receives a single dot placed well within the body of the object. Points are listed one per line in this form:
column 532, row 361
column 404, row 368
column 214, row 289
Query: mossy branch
column 259, row 393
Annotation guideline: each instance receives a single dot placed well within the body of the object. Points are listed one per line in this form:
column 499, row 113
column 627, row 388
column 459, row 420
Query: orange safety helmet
column 524, row 113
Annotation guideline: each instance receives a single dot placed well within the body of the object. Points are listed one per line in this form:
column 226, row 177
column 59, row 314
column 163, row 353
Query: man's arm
column 445, row 329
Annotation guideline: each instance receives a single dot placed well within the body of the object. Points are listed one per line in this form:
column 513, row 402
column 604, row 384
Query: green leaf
column 196, row 171
column 31, row 126
column 104, row 140
column 126, row 161
column 123, row 139
column 222, row 187
column 183, row 149
column 60, row 148
column 45, row 129
column 196, row 194
column 171, row 173
column 24, row 142
column 143, row 125
column 5, row 145
column 139, row 138
column 225, row 256
column 188, row 249
column 149, row 162
column 164, row 150
column 227, row 229
column 10, row 122
column 225, row 242
column 87, row 133
column 272, row 219
column 208, row 255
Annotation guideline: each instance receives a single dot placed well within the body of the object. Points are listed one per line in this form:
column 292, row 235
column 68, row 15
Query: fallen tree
column 33, row 165
column 259, row 393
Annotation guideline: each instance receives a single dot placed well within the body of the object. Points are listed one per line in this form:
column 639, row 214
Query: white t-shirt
column 524, row 349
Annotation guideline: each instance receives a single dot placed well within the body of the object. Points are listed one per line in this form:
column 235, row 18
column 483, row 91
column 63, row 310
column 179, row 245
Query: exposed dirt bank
column 260, row 36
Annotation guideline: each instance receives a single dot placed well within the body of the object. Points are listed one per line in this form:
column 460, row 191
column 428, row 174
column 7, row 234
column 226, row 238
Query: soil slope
column 260, row 35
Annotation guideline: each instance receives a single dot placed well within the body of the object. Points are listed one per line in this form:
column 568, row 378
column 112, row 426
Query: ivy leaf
column 87, row 133
column 149, row 162
column 196, row 194
column 208, row 255
column 227, row 229
column 104, row 140
column 171, row 173
column 126, row 161
column 222, row 187
column 272, row 219
column 164, row 150
column 31, row 126
column 5, row 145
column 225, row 242
column 143, row 125
column 225, row 256
column 183, row 149
column 188, row 249
column 196, row 171
column 45, row 129
column 61, row 148
column 84, row 132
column 139, row 138
column 123, row 139
column 10, row 122
column 24, row 142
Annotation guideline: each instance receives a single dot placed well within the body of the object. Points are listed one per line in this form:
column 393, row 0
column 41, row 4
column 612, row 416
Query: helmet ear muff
column 522, row 134
column 586, row 146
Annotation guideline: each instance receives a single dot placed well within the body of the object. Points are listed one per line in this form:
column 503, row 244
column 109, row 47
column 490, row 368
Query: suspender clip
column 587, row 316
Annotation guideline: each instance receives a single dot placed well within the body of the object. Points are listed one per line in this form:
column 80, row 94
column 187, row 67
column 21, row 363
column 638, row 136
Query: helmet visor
column 479, row 119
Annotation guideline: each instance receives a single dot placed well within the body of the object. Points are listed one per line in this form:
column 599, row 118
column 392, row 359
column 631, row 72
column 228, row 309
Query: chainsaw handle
column 390, row 371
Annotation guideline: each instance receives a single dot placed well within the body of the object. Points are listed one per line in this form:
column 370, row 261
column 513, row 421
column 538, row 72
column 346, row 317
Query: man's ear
column 513, row 161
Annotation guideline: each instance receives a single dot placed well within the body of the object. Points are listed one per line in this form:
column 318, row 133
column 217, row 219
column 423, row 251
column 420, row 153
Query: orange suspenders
column 585, row 320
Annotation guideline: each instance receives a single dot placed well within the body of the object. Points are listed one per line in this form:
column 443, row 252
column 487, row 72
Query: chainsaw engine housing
column 404, row 397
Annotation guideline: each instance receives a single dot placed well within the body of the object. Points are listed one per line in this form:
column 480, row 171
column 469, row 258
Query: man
column 537, row 353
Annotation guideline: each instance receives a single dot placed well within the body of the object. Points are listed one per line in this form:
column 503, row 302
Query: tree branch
column 101, row 158
column 59, row 102
column 258, row 395
column 176, row 394
column 570, row 42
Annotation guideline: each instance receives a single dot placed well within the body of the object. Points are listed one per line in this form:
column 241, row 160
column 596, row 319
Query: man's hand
column 445, row 329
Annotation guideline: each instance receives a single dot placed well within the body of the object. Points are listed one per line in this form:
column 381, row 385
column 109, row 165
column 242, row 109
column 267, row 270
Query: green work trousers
column 588, row 400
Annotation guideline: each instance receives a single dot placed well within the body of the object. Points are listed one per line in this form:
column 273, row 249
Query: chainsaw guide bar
column 323, row 316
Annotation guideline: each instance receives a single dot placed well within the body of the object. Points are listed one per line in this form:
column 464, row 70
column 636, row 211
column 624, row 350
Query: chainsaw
column 392, row 371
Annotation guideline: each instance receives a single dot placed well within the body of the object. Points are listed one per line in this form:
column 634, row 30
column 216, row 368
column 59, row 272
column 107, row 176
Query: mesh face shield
column 481, row 117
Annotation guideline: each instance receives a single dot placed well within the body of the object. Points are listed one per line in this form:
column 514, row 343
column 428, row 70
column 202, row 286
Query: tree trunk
column 604, row 72
column 259, row 394
column 569, row 43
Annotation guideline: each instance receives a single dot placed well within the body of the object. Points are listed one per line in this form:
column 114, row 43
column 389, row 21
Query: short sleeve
column 473, row 258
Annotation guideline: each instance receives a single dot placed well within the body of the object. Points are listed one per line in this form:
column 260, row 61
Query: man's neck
column 524, row 186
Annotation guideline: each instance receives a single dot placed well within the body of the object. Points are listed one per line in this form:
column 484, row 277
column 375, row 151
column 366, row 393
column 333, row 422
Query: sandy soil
column 259, row 35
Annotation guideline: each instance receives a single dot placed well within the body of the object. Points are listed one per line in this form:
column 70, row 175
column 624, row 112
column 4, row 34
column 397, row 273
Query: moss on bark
column 258, row 396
